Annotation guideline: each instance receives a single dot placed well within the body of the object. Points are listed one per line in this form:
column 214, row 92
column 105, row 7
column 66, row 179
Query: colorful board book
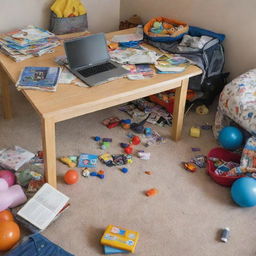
column 120, row 238
column 112, row 250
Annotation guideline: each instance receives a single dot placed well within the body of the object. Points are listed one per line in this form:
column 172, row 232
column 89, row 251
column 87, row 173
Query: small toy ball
column 97, row 138
column 9, row 176
column 124, row 170
column 6, row 215
column 128, row 150
column 71, row 177
column 243, row 192
column 136, row 140
column 9, row 235
column 230, row 138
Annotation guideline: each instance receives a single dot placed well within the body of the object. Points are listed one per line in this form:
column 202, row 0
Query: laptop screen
column 86, row 51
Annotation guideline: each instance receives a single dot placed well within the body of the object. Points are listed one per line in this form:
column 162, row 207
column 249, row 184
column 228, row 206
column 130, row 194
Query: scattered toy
column 124, row 145
column 188, row 166
column 148, row 132
column 126, row 123
column 151, row 192
column 143, row 155
column 87, row 160
column 195, row 149
column 97, row 138
column 202, row 110
column 69, row 161
column 136, row 140
column 195, row 132
column 199, row 160
column 206, row 127
column 148, row 172
column 128, row 150
column 93, row 174
column 35, row 185
column 225, row 235
column 124, row 170
column 85, row 172
column 107, row 139
column 111, row 122
column 71, row 177
column 105, row 145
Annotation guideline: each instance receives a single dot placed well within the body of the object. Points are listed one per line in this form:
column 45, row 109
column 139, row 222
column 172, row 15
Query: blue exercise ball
column 230, row 137
column 243, row 192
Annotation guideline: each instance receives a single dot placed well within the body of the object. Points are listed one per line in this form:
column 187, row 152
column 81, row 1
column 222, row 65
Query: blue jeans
column 38, row 245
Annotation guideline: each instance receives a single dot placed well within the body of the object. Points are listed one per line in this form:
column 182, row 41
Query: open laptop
column 89, row 60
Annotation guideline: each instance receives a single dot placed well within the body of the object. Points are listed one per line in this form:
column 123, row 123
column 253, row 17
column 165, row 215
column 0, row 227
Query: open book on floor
column 43, row 208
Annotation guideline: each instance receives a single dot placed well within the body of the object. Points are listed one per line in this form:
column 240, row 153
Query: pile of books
column 119, row 240
column 25, row 43
column 39, row 78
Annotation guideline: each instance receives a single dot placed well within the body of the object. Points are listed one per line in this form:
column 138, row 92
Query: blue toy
column 230, row 138
column 243, row 192
column 124, row 170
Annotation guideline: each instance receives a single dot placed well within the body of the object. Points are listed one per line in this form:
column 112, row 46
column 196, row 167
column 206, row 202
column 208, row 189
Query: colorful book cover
column 120, row 238
column 87, row 160
column 112, row 250
column 43, row 77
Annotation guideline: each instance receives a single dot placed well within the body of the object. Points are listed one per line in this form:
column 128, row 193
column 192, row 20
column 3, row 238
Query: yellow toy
column 195, row 132
column 68, row 162
column 120, row 238
column 68, row 8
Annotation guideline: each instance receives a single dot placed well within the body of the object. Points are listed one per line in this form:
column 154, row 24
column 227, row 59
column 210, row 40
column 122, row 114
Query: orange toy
column 9, row 235
column 6, row 215
column 151, row 192
column 71, row 177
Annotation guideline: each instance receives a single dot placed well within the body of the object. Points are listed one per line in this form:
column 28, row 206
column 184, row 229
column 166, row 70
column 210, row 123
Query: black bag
column 210, row 59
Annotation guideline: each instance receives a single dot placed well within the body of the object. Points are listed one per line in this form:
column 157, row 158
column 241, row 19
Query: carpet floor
column 184, row 218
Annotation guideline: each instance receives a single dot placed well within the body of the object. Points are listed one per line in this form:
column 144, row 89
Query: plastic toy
column 188, row 166
column 10, row 196
column 68, row 161
column 148, row 172
column 124, row 145
column 71, row 177
column 151, row 192
column 126, row 123
column 128, row 150
column 143, row 155
column 85, row 172
column 139, row 127
column 124, row 170
column 243, row 192
column 195, row 132
column 9, row 176
column 225, row 235
column 230, row 137
column 9, row 235
column 97, row 138
column 202, row 110
column 6, row 215
column 148, row 132
column 136, row 140
column 107, row 140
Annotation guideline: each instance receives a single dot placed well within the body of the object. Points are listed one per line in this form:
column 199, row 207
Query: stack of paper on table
column 25, row 43
column 43, row 207
column 119, row 240
column 39, row 78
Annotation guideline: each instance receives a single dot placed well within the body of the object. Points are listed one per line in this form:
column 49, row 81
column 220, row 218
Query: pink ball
column 9, row 176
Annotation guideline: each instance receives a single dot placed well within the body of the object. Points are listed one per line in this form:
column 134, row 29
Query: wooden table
column 71, row 101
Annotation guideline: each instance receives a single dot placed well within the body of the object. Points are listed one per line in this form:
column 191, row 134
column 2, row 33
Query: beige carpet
column 183, row 219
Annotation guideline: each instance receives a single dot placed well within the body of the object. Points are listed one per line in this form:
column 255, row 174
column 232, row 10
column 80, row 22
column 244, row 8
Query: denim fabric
column 38, row 245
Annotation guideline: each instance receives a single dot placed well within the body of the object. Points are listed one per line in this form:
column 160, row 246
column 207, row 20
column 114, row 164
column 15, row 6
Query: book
column 43, row 207
column 87, row 160
column 139, row 71
column 171, row 64
column 39, row 78
column 120, row 238
column 112, row 250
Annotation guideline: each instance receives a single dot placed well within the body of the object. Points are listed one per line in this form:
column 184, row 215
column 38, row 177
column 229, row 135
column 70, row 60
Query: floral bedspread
column 237, row 102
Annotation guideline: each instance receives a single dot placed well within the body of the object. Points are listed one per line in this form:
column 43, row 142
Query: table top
column 71, row 100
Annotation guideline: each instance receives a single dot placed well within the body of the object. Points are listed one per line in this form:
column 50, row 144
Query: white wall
column 234, row 18
column 103, row 15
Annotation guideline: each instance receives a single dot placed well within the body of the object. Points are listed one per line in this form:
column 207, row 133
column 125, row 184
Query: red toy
column 136, row 140
column 128, row 150
column 71, row 177
column 151, row 192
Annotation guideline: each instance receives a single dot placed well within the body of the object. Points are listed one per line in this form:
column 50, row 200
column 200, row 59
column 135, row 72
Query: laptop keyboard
column 96, row 69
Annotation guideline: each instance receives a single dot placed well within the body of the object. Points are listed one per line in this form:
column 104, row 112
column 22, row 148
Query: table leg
column 49, row 149
column 6, row 98
column 179, row 108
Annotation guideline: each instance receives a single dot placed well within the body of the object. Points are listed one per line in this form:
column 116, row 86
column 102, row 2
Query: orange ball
column 9, row 235
column 71, row 177
column 6, row 215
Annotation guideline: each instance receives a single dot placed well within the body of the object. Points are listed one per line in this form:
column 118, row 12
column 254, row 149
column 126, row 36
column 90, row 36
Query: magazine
column 39, row 78
column 43, row 207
